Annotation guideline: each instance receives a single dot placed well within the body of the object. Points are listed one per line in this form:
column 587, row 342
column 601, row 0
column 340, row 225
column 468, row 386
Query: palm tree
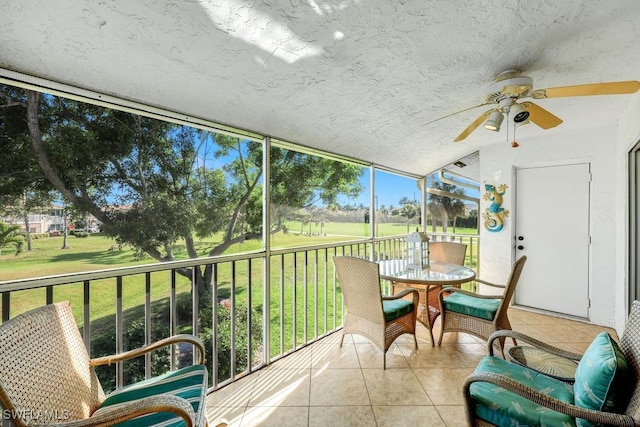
column 446, row 204
column 410, row 209
column 10, row 235
column 321, row 220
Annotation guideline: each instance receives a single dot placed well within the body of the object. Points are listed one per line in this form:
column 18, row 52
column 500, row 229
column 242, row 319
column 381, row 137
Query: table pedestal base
column 428, row 307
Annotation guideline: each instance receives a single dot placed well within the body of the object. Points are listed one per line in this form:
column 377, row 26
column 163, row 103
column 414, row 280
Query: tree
column 409, row 209
column 437, row 212
column 152, row 183
column 18, row 207
column 23, row 189
column 446, row 206
column 65, row 227
column 10, row 235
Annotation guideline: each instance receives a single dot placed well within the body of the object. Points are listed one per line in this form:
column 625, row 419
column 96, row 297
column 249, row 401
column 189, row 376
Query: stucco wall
column 602, row 147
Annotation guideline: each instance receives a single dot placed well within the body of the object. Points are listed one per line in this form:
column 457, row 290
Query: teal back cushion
column 601, row 378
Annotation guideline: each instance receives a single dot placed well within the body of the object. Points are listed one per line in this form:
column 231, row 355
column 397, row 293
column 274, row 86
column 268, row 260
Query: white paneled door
column 552, row 229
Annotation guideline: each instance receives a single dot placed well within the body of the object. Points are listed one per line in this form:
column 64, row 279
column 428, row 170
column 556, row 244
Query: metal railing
column 121, row 308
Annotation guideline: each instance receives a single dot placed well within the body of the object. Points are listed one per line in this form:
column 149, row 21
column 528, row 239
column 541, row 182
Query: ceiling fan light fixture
column 520, row 115
column 494, row 121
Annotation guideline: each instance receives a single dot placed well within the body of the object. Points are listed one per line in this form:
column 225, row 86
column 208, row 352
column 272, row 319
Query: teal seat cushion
column 504, row 408
column 189, row 383
column 601, row 377
column 396, row 308
column 484, row 308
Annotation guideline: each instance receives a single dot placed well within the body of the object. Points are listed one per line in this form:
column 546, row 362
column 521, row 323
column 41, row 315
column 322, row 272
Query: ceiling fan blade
column 540, row 116
column 453, row 114
column 611, row 88
column 473, row 126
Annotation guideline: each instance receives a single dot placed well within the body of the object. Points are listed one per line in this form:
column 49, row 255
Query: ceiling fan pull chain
column 514, row 143
column 508, row 122
column 508, row 110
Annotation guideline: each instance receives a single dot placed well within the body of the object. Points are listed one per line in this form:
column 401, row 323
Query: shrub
column 223, row 341
column 104, row 339
column 104, row 342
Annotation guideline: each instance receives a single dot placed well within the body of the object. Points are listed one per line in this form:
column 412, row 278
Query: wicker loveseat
column 606, row 389
column 47, row 377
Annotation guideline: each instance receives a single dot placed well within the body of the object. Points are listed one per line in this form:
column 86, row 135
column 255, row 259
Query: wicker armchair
column 46, row 377
column 475, row 314
column 629, row 416
column 451, row 252
column 379, row 318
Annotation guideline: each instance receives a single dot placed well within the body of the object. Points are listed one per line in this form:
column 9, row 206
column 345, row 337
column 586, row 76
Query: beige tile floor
column 325, row 385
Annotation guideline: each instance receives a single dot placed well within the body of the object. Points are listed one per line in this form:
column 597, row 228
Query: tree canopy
column 444, row 206
column 152, row 183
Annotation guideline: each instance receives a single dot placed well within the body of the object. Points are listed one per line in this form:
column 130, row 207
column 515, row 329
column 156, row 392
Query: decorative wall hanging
column 494, row 215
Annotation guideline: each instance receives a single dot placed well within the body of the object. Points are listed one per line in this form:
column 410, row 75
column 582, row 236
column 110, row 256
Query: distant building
column 51, row 221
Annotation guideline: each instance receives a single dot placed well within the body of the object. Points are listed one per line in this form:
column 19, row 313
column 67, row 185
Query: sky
column 390, row 188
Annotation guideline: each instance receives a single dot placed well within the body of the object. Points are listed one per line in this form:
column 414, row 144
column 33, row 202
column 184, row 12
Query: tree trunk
column 27, row 231
column 445, row 221
column 66, row 230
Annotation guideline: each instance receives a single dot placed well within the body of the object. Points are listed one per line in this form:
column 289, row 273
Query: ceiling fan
column 506, row 93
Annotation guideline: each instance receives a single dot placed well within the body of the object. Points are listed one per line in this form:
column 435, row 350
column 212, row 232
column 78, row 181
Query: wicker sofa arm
column 607, row 418
column 531, row 341
column 181, row 338
column 148, row 405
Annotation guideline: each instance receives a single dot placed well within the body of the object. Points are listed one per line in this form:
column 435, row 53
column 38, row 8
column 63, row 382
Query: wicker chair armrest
column 448, row 290
column 484, row 282
column 147, row 405
column 531, row 341
column 403, row 294
column 607, row 418
column 192, row 339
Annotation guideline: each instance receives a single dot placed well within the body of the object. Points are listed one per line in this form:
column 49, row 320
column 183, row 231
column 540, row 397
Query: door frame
column 633, row 292
column 565, row 162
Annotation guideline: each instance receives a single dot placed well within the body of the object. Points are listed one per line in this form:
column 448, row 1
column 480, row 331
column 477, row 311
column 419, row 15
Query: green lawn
column 47, row 258
column 98, row 252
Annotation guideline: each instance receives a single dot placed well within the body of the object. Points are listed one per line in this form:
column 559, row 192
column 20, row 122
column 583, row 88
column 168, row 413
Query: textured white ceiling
column 358, row 78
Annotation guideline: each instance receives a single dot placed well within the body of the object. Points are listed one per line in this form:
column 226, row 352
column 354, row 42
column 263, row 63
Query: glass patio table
column 427, row 281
